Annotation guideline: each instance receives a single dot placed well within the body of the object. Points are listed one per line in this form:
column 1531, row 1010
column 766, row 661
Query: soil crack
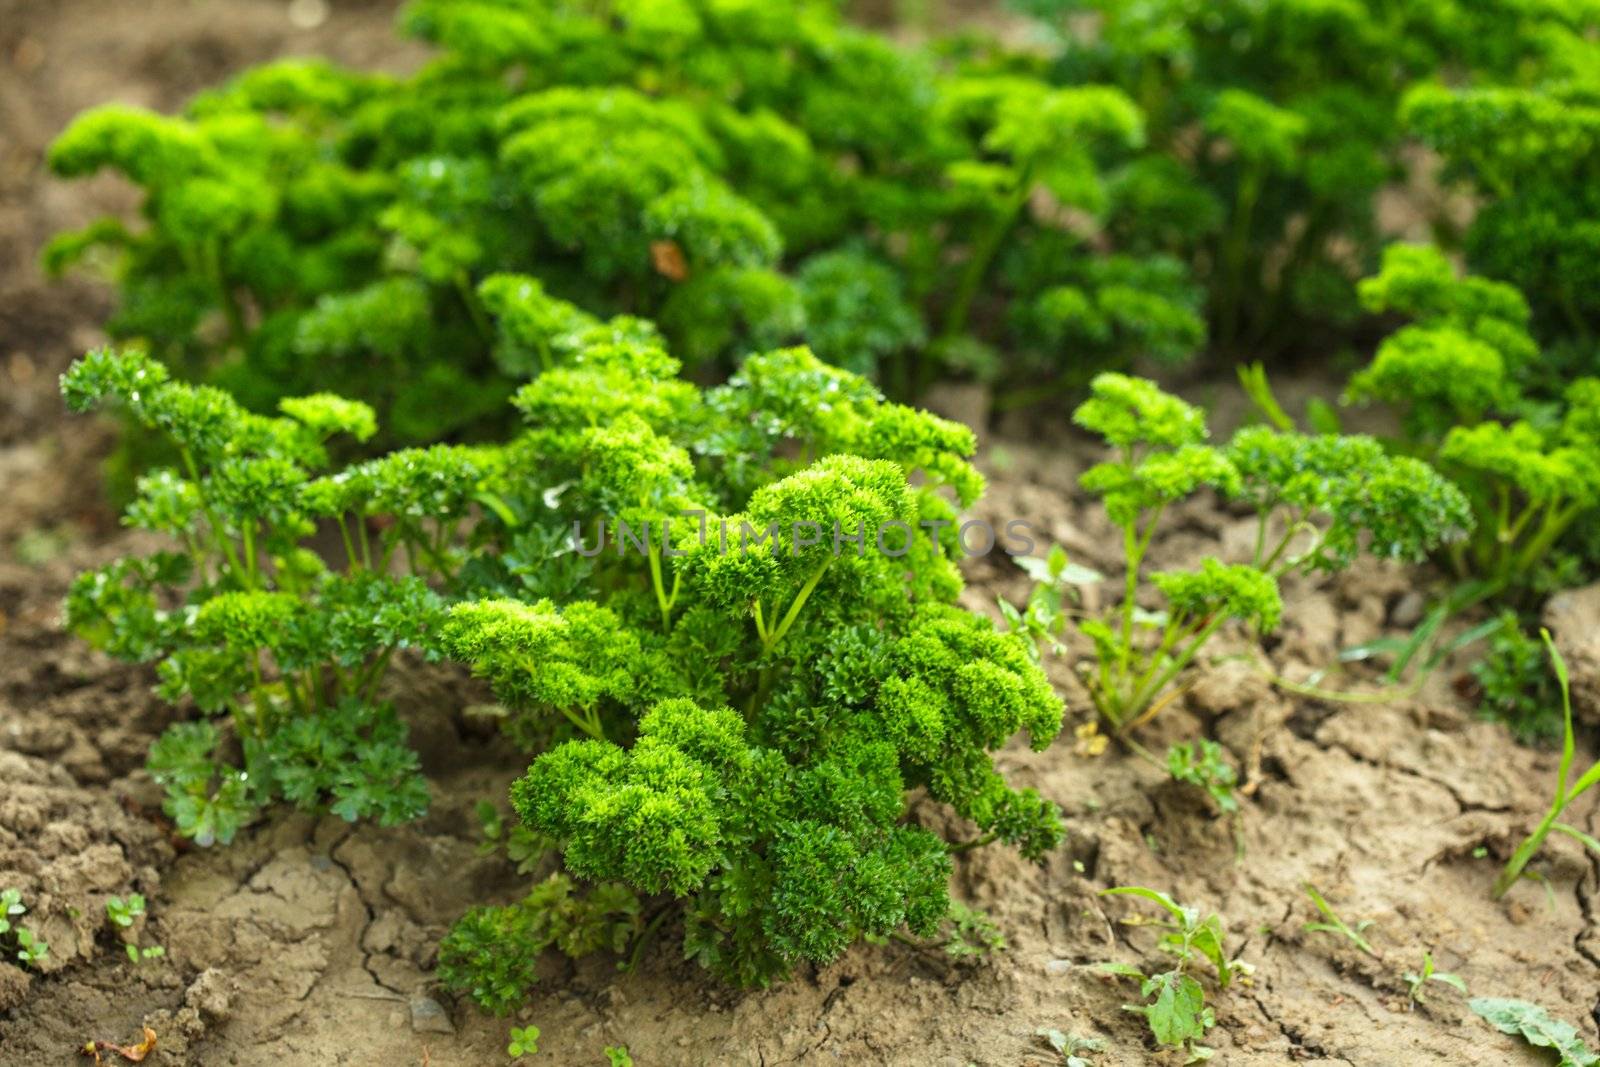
column 372, row 915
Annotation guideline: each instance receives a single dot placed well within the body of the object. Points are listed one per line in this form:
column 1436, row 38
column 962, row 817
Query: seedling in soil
column 1516, row 684
column 1537, row 1027
column 125, row 912
column 971, row 933
column 1176, row 1012
column 1320, row 501
column 1564, row 795
column 524, row 1042
column 29, row 950
column 1416, row 981
column 618, row 1056
column 11, row 906
column 521, row 845
column 1203, row 765
column 1335, row 925
column 1070, row 1047
column 1055, row 579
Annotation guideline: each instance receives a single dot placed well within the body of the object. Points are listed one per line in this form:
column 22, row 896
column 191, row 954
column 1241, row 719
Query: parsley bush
column 1320, row 501
column 281, row 652
column 1274, row 125
column 1459, row 377
column 703, row 163
column 736, row 728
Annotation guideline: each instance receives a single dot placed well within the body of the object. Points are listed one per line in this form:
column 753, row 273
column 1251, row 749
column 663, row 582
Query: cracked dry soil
column 310, row 943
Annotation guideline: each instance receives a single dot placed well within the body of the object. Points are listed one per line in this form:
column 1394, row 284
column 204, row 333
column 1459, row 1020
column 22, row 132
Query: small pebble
column 428, row 1017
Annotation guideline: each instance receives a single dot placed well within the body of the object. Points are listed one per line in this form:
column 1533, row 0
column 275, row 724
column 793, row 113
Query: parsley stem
column 794, row 608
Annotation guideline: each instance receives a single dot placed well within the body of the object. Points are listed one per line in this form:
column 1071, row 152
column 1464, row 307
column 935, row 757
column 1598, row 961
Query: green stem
column 366, row 545
column 1143, row 699
column 663, row 601
column 371, row 677
column 219, row 533
column 1551, row 527
column 248, row 532
column 588, row 723
column 794, row 608
column 480, row 321
column 349, row 544
column 238, row 333
column 761, row 625
column 982, row 257
column 1261, row 538
column 977, row 842
column 644, row 939
column 1525, row 852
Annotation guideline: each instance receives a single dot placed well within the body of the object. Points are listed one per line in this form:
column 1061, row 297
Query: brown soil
column 311, row 943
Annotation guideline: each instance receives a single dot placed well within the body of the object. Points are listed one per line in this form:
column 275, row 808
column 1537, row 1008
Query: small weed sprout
column 1070, row 1047
column 1176, row 1012
column 28, row 949
column 1202, row 764
column 1564, row 794
column 971, row 933
column 618, row 1056
column 1416, row 981
column 521, row 846
column 1356, row 934
column 1516, row 684
column 123, row 914
column 524, row 1042
column 1055, row 580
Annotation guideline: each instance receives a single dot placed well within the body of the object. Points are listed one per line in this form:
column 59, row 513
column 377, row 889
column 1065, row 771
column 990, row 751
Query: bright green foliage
column 618, row 1056
column 1537, row 1027
column 1567, row 789
column 1274, row 125
column 1531, row 153
column 746, row 722
column 307, row 227
column 1203, row 764
column 1459, row 359
column 19, row 941
column 524, row 1042
column 123, row 914
column 1516, row 684
column 491, row 953
column 1458, row 375
column 1175, row 1007
column 246, row 622
column 1320, row 501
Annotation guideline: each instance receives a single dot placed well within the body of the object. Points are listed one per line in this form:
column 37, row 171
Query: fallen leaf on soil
column 1091, row 742
column 668, row 260
column 130, row 1053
